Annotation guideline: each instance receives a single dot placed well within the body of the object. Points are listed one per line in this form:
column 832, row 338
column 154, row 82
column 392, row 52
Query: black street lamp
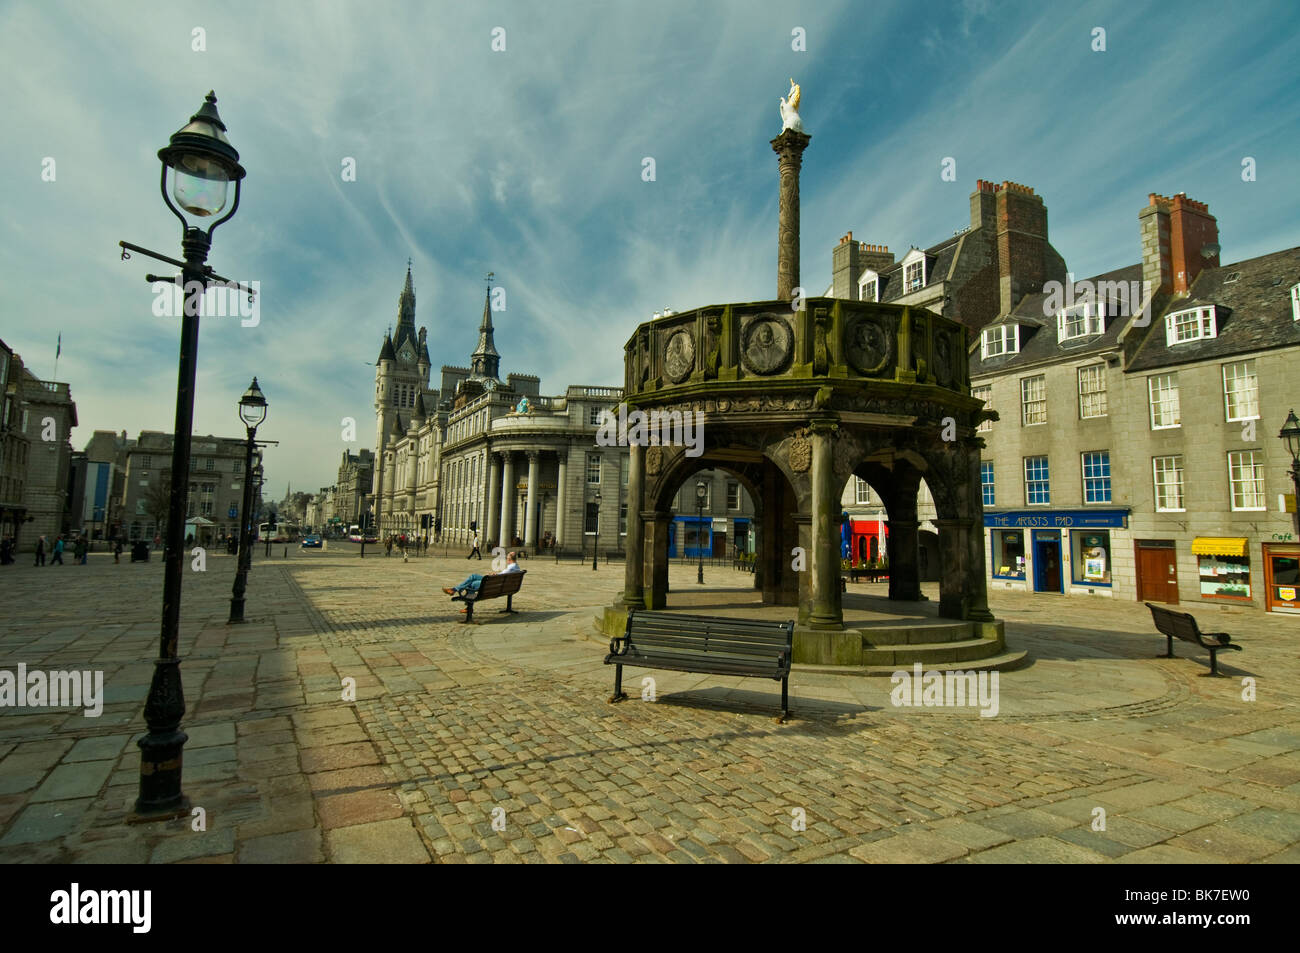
column 365, row 524
column 203, row 164
column 701, row 490
column 595, row 540
column 252, row 411
column 1291, row 434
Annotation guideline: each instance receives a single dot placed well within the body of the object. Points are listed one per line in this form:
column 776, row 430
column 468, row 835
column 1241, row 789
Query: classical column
column 825, row 611
column 656, row 549
column 977, row 579
column 634, row 557
column 952, row 568
column 904, row 567
column 789, row 147
column 493, row 501
column 561, row 481
column 507, row 500
column 530, row 504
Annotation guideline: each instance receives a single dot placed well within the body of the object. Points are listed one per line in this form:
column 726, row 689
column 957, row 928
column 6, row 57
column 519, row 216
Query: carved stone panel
column 654, row 460
column 800, row 455
column 766, row 344
column 942, row 364
column 679, row 355
column 869, row 345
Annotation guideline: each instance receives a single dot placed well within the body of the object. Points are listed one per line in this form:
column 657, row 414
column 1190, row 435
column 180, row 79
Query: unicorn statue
column 790, row 109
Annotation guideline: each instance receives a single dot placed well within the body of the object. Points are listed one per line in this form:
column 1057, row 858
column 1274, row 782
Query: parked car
column 311, row 542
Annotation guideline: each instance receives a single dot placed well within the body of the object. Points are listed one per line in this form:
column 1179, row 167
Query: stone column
column 561, row 481
column 530, row 504
column 634, row 555
column 789, row 147
column 825, row 610
column 490, row 524
column 952, row 568
column 507, row 500
column 977, row 579
column 656, row 555
column 904, row 567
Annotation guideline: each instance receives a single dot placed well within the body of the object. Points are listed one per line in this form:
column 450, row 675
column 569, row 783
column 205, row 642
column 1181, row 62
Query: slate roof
column 1253, row 312
column 1038, row 338
column 938, row 261
column 386, row 353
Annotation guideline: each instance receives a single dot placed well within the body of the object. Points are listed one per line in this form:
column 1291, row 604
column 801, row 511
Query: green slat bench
column 1182, row 625
column 705, row 644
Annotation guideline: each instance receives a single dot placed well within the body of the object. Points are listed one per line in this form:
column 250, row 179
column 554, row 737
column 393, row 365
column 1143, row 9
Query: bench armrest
column 1223, row 638
column 614, row 648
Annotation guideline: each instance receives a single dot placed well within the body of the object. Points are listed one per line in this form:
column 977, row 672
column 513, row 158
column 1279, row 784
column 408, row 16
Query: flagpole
column 58, row 349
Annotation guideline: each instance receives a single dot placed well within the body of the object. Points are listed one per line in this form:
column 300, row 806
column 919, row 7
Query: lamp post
column 701, row 489
column 252, row 411
column 595, row 540
column 203, row 164
column 1291, row 435
column 365, row 523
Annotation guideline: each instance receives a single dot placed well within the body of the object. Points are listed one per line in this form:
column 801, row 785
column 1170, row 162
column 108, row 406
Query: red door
column 1157, row 572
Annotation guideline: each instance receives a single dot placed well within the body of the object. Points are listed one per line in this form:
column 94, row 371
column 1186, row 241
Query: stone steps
column 924, row 633
column 1002, row 662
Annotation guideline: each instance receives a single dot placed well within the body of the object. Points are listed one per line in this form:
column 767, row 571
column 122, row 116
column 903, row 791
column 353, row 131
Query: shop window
column 1008, row 554
column 1225, row 577
column 1090, row 564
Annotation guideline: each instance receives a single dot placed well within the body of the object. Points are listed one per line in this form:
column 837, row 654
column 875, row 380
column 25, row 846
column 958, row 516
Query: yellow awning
column 1219, row 546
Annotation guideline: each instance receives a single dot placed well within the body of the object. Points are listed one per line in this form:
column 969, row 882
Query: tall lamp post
column 365, row 525
column 1291, row 434
column 701, row 489
column 252, row 411
column 595, row 540
column 203, row 164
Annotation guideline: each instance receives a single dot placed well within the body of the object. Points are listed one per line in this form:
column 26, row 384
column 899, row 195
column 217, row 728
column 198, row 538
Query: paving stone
column 296, row 847
column 69, row 781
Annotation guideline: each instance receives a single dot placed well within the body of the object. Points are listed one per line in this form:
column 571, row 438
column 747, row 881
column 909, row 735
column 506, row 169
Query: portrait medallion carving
column 766, row 344
column 679, row 356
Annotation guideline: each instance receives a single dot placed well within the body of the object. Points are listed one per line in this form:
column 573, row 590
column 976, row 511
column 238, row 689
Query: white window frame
column 869, row 279
column 999, row 335
column 1089, row 320
column 593, row 463
column 1048, row 482
column 1256, row 494
column 1176, row 468
column 1252, row 399
column 1083, row 472
column 1295, row 301
column 1165, row 402
column 983, row 392
column 1026, row 401
column 1191, row 324
column 861, row 492
column 910, row 283
column 1099, row 393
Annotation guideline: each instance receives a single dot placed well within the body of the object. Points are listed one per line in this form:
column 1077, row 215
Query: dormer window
column 1191, row 325
column 869, row 286
column 1295, row 302
column 914, row 276
column 1000, row 339
column 1078, row 321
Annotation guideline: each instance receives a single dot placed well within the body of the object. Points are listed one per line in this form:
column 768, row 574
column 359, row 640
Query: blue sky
column 528, row 163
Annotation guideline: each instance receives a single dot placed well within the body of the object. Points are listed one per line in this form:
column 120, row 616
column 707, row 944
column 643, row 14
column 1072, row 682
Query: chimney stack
column 1021, row 223
column 1174, row 231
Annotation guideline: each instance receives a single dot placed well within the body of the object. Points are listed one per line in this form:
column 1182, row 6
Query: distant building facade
column 215, row 485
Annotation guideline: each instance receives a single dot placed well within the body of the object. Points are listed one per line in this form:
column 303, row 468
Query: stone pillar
column 824, row 608
column 634, row 554
column 976, row 573
column 530, row 504
column 803, row 578
column 656, row 555
column 490, row 525
column 507, row 500
column 952, row 568
column 789, row 147
column 904, row 563
column 561, row 482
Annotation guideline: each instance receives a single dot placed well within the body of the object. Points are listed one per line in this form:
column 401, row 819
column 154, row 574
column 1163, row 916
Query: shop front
column 1282, row 577
column 1062, row 551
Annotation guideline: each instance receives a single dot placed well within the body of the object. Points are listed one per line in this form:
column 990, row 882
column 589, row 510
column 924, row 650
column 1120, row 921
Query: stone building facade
column 1136, row 454
column 39, row 417
column 491, row 454
column 216, row 482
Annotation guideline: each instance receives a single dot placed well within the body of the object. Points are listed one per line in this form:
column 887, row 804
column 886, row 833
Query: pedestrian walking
column 117, row 550
column 437, row 528
column 157, row 540
column 40, row 551
column 79, row 550
column 6, row 551
column 58, row 551
column 388, row 546
column 474, row 553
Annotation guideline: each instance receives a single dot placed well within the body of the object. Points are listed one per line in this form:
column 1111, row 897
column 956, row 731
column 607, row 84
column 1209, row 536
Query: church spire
column 406, row 311
column 485, row 362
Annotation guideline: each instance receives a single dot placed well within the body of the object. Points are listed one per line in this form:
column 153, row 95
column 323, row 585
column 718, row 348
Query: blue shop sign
column 1060, row 519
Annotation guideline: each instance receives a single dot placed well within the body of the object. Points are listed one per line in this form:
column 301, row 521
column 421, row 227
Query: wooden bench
column 493, row 587
column 562, row 553
column 711, row 645
column 1182, row 625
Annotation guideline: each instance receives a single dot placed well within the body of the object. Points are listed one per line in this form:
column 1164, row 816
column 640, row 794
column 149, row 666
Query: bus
column 281, row 532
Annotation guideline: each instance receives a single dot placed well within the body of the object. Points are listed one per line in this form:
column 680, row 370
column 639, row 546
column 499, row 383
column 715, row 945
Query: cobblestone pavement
column 494, row 742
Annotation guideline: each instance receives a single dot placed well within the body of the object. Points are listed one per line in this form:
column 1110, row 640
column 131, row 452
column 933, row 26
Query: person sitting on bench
column 472, row 582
